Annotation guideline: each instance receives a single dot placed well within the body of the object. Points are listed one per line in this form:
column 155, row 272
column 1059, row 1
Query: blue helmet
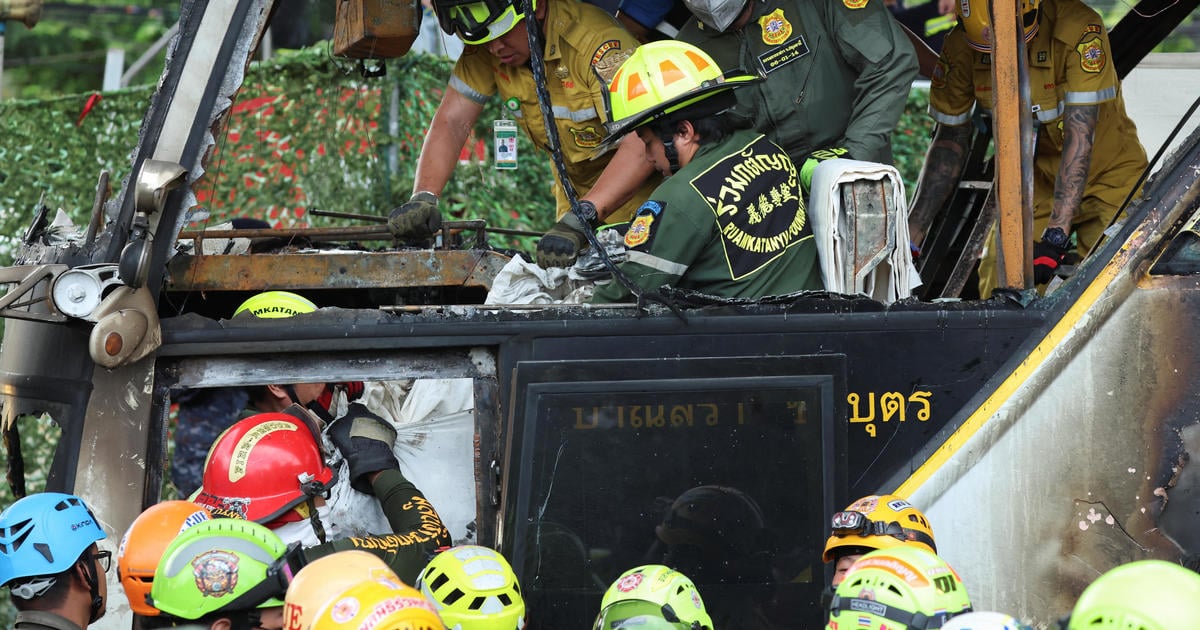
column 44, row 534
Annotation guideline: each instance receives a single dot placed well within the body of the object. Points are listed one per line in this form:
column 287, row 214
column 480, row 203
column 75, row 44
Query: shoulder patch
column 1091, row 53
column 854, row 4
column 604, row 49
column 938, row 80
column 641, row 229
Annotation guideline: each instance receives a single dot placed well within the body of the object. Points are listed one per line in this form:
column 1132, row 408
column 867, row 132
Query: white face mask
column 302, row 531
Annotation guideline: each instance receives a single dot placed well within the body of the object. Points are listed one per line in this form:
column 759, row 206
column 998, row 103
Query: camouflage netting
column 306, row 132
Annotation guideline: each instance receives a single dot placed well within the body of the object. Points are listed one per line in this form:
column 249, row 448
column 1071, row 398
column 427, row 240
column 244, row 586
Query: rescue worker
column 875, row 595
column 269, row 469
column 144, row 544
column 883, row 521
column 1142, row 594
column 730, row 221
column 838, row 72
column 222, row 573
column 578, row 39
column 320, row 580
column 50, row 563
column 1087, row 155
column 205, row 413
column 644, row 597
column 473, row 588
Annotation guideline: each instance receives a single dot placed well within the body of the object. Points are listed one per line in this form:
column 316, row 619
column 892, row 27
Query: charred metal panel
column 337, row 270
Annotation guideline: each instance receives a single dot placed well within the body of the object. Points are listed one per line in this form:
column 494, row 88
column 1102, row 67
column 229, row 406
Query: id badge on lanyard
column 504, row 136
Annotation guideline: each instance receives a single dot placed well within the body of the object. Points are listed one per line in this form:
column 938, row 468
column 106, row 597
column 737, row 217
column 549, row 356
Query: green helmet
column 217, row 566
column 643, row 597
column 1142, row 595
column 901, row 588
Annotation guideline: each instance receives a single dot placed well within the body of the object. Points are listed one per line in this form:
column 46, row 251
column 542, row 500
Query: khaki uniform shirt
column 1070, row 63
column 577, row 37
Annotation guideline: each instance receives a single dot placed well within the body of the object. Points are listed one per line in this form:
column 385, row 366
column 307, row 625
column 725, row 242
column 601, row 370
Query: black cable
column 538, row 66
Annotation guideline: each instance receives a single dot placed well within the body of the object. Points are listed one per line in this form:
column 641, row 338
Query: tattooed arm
column 1079, row 133
column 939, row 177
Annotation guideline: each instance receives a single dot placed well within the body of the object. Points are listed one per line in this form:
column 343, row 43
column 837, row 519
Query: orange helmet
column 263, row 468
column 322, row 579
column 144, row 544
column 378, row 605
column 878, row 522
column 977, row 25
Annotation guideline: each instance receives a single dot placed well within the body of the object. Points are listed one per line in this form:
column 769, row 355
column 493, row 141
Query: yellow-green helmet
column 276, row 304
column 900, row 588
column 473, row 588
column 1142, row 595
column 479, row 22
column 644, row 595
column 662, row 78
column 217, row 566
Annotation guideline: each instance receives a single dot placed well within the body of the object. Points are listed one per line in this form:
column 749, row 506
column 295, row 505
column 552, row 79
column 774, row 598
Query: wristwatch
column 1056, row 237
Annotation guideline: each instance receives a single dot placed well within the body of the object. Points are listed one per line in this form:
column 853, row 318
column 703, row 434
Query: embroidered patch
column 216, row 573
column 639, row 230
column 854, row 4
column 587, row 137
column 775, row 28
column 776, row 58
column 1091, row 54
column 603, row 49
column 754, row 194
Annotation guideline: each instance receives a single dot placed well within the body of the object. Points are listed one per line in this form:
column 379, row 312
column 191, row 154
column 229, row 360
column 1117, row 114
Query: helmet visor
column 637, row 614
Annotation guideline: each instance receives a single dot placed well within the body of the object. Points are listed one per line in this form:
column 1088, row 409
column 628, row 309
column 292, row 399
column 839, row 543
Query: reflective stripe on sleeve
column 471, row 93
column 656, row 263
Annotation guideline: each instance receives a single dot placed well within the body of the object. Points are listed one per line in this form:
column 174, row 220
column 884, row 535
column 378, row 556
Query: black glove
column 418, row 218
column 560, row 246
column 1046, row 259
column 366, row 441
column 815, row 158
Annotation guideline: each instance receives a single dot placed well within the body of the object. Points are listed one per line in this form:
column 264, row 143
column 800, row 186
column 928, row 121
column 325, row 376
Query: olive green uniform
column 39, row 620
column 417, row 530
column 838, row 73
column 577, row 37
column 730, row 223
column 1069, row 64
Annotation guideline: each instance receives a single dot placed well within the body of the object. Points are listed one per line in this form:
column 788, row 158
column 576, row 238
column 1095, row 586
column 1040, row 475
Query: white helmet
column 984, row 621
column 718, row 14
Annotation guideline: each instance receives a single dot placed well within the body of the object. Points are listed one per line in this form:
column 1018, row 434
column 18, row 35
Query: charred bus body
column 1047, row 439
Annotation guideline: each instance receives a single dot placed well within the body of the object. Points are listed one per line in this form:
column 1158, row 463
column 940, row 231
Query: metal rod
column 468, row 224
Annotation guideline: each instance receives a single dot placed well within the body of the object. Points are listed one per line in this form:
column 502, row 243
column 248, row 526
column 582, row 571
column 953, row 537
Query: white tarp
column 434, row 420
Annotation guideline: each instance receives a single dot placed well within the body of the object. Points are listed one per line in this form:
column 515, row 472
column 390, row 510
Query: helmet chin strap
column 671, row 152
column 93, row 582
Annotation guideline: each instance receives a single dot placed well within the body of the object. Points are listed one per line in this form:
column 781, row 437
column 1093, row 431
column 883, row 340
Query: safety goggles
column 637, row 614
column 477, row 21
column 857, row 523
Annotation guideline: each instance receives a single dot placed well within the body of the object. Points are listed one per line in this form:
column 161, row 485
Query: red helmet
column 262, row 468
